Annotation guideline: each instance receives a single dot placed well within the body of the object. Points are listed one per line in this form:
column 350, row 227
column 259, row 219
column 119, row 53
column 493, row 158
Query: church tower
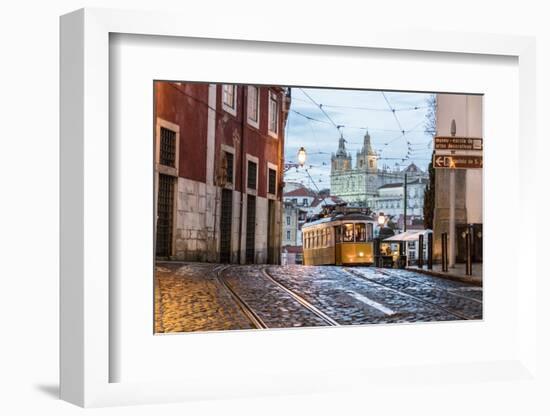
column 341, row 160
column 366, row 158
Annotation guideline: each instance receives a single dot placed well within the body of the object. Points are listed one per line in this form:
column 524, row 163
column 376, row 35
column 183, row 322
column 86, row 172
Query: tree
column 430, row 128
column 429, row 198
column 430, row 124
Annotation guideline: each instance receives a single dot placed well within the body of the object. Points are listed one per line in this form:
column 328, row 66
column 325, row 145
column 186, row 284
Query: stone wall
column 197, row 222
column 195, row 238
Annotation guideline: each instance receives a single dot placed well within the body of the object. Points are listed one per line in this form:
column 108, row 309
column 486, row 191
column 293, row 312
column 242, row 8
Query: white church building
column 364, row 184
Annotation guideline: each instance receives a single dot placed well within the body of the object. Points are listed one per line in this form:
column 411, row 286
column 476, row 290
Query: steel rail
column 362, row 276
column 241, row 303
column 300, row 299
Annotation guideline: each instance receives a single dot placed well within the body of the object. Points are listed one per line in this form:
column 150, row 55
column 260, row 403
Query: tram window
column 369, row 231
column 348, row 233
column 360, row 232
column 338, row 231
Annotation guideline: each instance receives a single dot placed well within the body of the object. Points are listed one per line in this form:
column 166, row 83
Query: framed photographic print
column 274, row 213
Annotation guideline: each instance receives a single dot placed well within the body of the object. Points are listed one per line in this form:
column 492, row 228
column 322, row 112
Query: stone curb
column 463, row 279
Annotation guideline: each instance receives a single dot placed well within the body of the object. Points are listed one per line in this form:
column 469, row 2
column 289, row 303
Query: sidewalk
column 456, row 273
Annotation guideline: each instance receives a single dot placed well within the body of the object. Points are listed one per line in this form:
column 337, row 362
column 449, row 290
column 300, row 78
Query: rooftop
column 300, row 192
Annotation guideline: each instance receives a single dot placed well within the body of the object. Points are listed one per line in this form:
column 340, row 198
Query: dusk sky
column 356, row 111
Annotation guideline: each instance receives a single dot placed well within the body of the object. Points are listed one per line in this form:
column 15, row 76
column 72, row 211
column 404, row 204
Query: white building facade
column 359, row 185
column 466, row 111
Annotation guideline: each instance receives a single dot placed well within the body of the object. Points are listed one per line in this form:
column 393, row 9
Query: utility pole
column 405, row 203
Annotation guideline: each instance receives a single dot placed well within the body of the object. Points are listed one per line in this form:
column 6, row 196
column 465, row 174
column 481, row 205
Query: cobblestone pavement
column 350, row 298
column 191, row 297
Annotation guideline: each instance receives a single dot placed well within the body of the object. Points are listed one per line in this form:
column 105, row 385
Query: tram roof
column 340, row 217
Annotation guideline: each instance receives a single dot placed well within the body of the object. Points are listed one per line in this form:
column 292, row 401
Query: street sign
column 458, row 162
column 458, row 143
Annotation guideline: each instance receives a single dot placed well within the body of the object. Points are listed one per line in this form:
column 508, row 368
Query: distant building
column 390, row 198
column 218, row 171
column 300, row 196
column 291, row 186
column 359, row 185
column 321, row 202
column 293, row 218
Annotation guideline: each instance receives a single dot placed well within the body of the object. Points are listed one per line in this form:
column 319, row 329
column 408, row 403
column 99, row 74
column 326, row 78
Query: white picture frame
column 86, row 290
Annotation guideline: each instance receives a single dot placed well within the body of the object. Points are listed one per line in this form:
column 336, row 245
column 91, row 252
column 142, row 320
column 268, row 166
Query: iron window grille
column 252, row 175
column 272, row 181
column 229, row 167
column 167, row 155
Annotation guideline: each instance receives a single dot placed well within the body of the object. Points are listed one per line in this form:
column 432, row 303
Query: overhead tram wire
column 338, row 127
column 351, row 107
column 346, row 126
column 320, row 106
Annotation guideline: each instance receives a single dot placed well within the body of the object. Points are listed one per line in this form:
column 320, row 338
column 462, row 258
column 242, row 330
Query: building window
column 167, row 155
column 253, row 107
column 304, row 202
column 228, row 167
column 252, row 175
column 288, row 235
column 272, row 181
column 273, row 125
column 295, row 200
column 229, row 98
column 287, row 220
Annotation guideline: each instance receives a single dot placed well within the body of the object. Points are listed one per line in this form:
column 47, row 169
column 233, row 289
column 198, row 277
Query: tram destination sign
column 457, row 162
column 458, row 143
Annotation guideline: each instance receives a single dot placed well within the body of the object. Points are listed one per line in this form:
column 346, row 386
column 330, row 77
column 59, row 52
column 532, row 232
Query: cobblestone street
column 208, row 297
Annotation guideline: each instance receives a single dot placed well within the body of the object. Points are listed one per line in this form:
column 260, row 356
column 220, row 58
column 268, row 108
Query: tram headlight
column 361, row 254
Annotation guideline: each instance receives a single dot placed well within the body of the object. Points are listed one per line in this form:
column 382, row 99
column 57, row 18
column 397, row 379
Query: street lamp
column 301, row 156
column 381, row 219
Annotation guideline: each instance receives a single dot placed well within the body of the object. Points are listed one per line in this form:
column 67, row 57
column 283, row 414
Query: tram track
column 253, row 315
column 241, row 303
column 417, row 298
column 308, row 305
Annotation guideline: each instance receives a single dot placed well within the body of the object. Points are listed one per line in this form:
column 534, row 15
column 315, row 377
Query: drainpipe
column 243, row 161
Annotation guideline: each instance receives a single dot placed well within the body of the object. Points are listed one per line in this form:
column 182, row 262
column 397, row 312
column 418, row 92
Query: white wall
column 467, row 111
column 29, row 215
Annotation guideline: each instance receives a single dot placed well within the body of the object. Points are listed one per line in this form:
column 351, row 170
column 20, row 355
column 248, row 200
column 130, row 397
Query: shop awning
column 408, row 235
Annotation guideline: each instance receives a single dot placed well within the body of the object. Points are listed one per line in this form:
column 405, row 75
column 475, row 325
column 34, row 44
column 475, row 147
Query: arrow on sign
column 458, row 162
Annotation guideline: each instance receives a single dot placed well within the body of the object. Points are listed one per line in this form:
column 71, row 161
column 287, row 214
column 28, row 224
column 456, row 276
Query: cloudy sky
column 356, row 111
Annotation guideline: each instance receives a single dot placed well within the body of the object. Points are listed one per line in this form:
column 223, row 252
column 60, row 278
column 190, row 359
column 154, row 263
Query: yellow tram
column 340, row 239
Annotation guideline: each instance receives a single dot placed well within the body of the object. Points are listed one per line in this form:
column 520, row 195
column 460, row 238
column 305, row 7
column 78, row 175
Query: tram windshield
column 359, row 232
column 347, row 233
